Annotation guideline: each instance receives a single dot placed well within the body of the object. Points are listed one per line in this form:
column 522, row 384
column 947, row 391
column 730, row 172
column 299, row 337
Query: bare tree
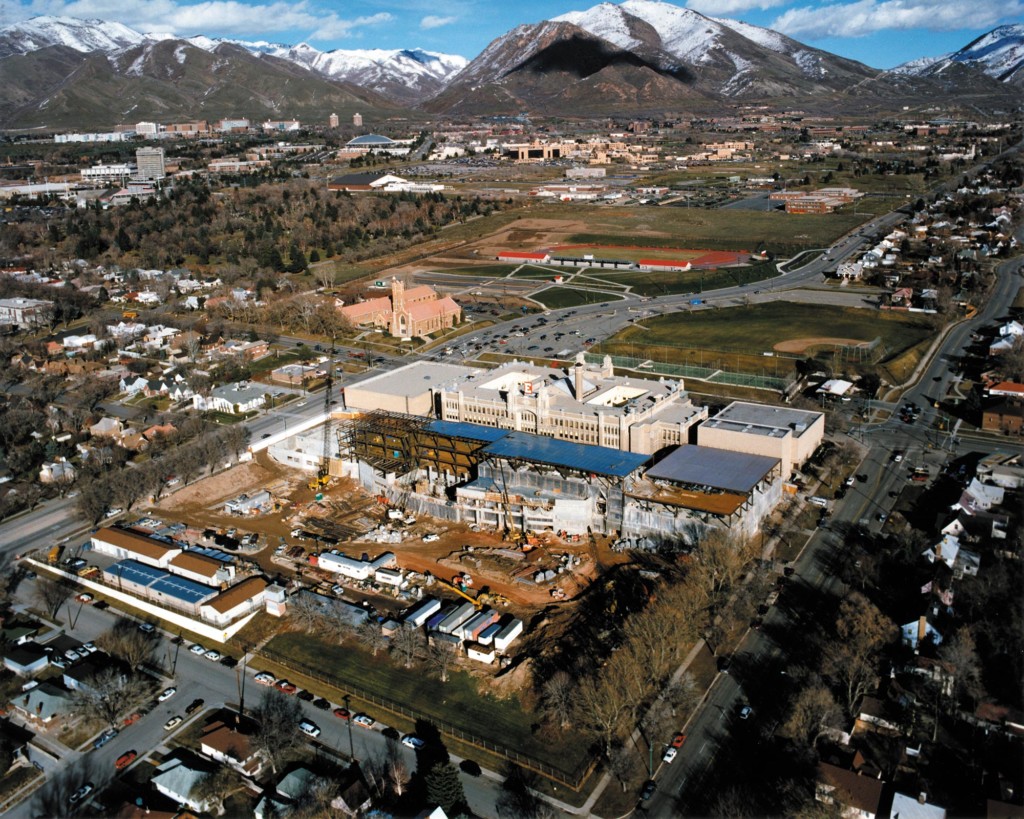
column 557, row 693
column 124, row 640
column 814, row 711
column 406, row 643
column 371, row 636
column 277, row 734
column 110, row 695
column 52, row 592
column 441, row 658
column 852, row 660
column 216, row 787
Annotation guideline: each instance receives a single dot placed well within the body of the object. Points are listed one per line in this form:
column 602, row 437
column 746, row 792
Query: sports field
column 778, row 328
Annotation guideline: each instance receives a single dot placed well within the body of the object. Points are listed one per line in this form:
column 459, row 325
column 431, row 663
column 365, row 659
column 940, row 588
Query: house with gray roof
column 234, row 399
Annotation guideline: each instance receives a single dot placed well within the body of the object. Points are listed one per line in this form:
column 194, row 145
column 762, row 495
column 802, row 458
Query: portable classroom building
column 389, row 577
column 421, row 612
column 480, row 653
column 504, row 638
column 435, row 619
column 456, row 618
column 486, row 637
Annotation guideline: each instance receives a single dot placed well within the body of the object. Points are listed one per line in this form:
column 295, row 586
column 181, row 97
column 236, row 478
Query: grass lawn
column 557, row 297
column 456, row 704
column 659, row 283
column 758, row 327
column 495, row 270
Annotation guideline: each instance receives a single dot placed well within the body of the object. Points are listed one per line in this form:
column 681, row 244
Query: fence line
column 574, row 779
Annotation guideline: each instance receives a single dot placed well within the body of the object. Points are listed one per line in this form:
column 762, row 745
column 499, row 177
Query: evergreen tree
column 444, row 789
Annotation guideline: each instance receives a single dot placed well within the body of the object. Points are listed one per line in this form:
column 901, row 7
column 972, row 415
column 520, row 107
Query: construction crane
column 323, row 472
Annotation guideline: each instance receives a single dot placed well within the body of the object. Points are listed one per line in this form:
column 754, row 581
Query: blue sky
column 881, row 33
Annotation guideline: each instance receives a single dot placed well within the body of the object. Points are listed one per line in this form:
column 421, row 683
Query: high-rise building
column 357, row 120
column 150, row 162
column 333, row 121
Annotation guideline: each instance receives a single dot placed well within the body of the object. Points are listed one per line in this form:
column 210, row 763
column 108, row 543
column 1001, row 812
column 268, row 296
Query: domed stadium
column 371, row 141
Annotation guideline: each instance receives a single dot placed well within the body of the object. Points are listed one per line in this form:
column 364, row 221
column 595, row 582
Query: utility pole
column 347, row 699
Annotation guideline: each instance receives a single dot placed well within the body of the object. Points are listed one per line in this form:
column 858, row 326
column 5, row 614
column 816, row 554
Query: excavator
column 482, row 598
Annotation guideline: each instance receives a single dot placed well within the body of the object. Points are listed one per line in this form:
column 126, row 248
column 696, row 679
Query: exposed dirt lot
column 802, row 345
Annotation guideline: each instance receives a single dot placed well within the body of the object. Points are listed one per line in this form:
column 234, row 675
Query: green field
column 490, row 270
column 557, row 297
column 758, row 327
column 457, row 703
column 658, row 283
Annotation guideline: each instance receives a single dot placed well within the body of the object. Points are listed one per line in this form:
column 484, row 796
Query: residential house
column 26, row 659
column 43, row 703
column 914, row 633
column 82, row 675
column 107, row 428
column 874, row 716
column 58, row 471
column 914, row 807
column 858, row 796
column 234, row 399
column 176, row 778
column 230, row 745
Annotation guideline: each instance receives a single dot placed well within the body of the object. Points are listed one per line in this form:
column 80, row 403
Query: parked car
column 104, row 738
column 84, row 597
column 146, row 628
column 468, row 766
column 195, row 705
column 322, row 704
column 263, row 678
column 365, row 720
column 413, row 741
column 307, row 696
column 173, row 722
column 131, row 719
column 126, row 759
column 342, row 713
column 167, row 694
column 670, row 754
column 286, row 687
column 647, row 791
column 228, row 661
column 431, row 537
column 90, row 647
column 213, row 654
column 678, row 740
column 197, row 649
column 81, row 793
column 309, row 728
column 746, row 712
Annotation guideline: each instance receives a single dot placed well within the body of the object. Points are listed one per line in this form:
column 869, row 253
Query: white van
column 817, row 500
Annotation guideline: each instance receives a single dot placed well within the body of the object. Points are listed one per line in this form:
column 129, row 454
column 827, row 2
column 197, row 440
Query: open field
column 557, row 297
column 459, row 703
column 658, row 283
column 631, row 253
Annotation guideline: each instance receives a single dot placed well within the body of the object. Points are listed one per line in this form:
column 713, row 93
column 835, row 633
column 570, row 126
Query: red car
column 287, row 687
column 678, row 740
column 131, row 720
column 126, row 759
column 342, row 713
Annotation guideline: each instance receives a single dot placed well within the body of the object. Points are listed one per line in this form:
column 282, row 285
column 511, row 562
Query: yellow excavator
column 482, row 598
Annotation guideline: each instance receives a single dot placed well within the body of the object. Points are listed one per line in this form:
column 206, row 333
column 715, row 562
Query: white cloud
column 214, row 17
column 868, row 16
column 726, row 8
column 436, row 21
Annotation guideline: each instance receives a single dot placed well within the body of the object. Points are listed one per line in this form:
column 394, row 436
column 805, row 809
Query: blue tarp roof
column 179, row 588
column 710, row 466
column 216, row 554
column 599, row 460
column 135, row 572
column 460, row 429
column 182, row 588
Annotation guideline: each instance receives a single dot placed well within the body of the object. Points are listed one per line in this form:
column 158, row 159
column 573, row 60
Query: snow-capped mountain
column 646, row 53
column 999, row 54
column 404, row 75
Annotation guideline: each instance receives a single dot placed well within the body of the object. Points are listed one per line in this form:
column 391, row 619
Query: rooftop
column 553, row 452
column 371, row 139
column 135, row 542
column 239, row 593
column 417, row 378
column 763, row 419
column 460, row 429
column 715, row 468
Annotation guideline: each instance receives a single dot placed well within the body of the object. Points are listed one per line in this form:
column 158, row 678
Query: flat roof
column 135, row 572
column 415, row 378
column 763, row 419
column 713, row 467
column 582, row 457
column 461, row 429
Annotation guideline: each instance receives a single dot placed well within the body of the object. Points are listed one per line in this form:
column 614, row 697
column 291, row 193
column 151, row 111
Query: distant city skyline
column 879, row 33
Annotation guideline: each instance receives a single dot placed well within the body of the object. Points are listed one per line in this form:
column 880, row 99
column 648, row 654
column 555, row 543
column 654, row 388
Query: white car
column 670, row 754
column 197, row 649
column 746, row 711
column 413, row 741
column 173, row 722
column 213, row 654
column 263, row 678
column 338, row 589
column 167, row 694
column 310, row 729
column 365, row 720
column 431, row 538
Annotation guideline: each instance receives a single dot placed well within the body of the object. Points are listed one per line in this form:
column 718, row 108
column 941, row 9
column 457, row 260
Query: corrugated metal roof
column 135, row 572
column 599, row 460
column 461, row 429
column 717, row 468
